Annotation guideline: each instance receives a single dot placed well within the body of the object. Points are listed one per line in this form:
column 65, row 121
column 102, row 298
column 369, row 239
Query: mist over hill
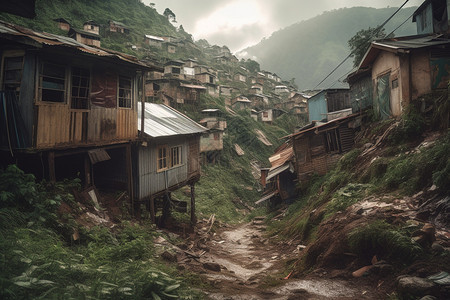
column 309, row 50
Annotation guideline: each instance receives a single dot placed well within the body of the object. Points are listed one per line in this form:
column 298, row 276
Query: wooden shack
column 168, row 157
column 119, row 27
column 211, row 142
column 279, row 180
column 86, row 37
column 329, row 104
column 174, row 92
column 71, row 109
column 318, row 146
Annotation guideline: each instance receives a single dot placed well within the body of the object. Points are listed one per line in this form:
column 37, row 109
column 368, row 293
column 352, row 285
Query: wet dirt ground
column 253, row 267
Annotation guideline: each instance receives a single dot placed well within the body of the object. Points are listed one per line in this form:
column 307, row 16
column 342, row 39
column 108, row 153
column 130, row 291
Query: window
column 175, row 156
column 12, row 74
column 168, row 157
column 332, row 141
column 395, row 83
column 52, row 83
column 211, row 79
column 124, row 92
column 216, row 136
column 162, row 158
column 80, row 88
column 265, row 114
column 176, row 70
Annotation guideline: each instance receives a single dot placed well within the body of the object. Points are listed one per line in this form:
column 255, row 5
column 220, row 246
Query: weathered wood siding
column 58, row 125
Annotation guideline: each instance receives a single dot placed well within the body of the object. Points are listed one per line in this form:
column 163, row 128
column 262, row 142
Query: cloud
column 224, row 22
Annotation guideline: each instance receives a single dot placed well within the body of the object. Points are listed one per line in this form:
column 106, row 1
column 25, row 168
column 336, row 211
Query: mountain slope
column 138, row 17
column 310, row 49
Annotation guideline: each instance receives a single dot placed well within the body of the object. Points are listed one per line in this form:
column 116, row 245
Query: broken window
column 332, row 141
column 12, row 74
column 124, row 92
column 162, row 158
column 80, row 88
column 175, row 156
column 52, row 83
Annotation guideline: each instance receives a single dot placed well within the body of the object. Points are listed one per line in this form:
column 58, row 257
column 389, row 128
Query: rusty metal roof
column 44, row 39
column 402, row 45
column 162, row 120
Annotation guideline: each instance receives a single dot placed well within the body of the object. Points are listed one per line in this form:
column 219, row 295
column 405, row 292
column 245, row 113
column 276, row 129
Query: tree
column 168, row 13
column 251, row 65
column 360, row 42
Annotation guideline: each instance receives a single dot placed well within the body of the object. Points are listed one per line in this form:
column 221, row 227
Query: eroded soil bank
column 240, row 262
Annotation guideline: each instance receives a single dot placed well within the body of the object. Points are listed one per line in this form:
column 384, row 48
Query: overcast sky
column 241, row 23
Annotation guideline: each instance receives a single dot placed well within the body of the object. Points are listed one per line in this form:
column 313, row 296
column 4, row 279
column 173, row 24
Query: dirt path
column 241, row 263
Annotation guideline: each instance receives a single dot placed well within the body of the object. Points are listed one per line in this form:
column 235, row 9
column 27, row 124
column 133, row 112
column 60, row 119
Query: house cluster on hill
column 392, row 75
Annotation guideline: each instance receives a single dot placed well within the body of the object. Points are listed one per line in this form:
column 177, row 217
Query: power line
column 368, row 39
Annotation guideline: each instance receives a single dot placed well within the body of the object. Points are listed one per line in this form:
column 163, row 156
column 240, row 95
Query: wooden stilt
column 130, row 176
column 193, row 218
column 87, row 171
column 152, row 210
column 51, row 166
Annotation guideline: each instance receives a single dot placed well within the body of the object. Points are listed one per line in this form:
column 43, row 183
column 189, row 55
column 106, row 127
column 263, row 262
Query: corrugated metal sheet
column 193, row 86
column 161, row 120
column 151, row 181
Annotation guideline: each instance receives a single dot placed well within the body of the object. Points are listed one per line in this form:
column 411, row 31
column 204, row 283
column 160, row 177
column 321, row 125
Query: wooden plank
column 51, row 166
column 193, row 217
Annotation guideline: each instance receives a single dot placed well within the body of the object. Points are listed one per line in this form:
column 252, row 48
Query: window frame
column 124, row 98
column 40, row 87
column 179, row 152
column 89, row 86
column 161, row 158
column 11, row 55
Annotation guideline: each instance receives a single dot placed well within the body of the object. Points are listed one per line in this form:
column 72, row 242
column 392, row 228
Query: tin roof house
column 168, row 157
column 405, row 68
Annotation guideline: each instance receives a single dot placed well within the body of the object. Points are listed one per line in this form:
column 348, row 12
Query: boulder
column 212, row 266
column 411, row 286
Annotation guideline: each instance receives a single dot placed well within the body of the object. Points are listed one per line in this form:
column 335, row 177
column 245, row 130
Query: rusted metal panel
column 127, row 124
column 102, row 124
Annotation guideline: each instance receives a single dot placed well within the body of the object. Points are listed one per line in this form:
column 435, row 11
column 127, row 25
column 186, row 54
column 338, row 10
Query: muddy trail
column 241, row 262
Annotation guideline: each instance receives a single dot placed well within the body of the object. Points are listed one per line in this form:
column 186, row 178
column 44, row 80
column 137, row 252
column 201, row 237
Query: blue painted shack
column 329, row 104
column 432, row 17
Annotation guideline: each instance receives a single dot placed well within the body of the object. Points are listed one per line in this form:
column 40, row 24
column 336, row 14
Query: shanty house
column 86, row 37
column 405, row 68
column 168, row 157
column 153, row 41
column 240, row 103
column 68, row 108
column 62, row 24
column 239, row 76
column 318, row 146
column 174, row 92
column 432, row 16
column 279, row 180
column 92, row 27
column 119, row 27
column 174, row 69
column 329, row 104
column 211, row 142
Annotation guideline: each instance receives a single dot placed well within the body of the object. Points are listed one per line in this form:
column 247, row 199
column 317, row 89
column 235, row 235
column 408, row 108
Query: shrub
column 382, row 239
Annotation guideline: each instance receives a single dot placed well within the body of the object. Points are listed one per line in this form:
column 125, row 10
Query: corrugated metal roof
column 400, row 44
column 15, row 32
column 193, row 86
column 162, row 120
column 412, row 42
column 156, row 38
column 281, row 157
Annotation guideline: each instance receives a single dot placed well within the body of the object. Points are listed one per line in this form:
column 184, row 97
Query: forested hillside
column 309, row 50
column 138, row 17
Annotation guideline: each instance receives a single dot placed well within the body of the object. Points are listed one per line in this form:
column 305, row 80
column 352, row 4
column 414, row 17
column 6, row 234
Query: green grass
column 385, row 240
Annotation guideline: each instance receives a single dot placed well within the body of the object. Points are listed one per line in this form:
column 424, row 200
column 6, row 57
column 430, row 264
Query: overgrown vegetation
column 385, row 240
column 40, row 260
